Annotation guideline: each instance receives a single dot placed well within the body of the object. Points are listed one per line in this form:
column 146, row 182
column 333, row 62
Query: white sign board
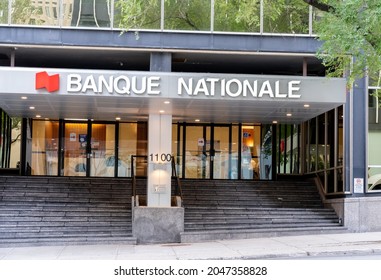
column 201, row 142
column 358, row 185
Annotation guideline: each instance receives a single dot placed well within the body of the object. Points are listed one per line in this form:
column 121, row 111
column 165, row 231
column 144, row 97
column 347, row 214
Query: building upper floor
column 257, row 16
column 293, row 17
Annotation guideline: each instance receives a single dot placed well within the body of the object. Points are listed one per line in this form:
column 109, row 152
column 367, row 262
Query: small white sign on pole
column 358, row 185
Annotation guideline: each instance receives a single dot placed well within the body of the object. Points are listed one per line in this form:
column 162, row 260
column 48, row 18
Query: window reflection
column 237, row 16
column 187, row 15
column 3, row 12
column 36, row 12
column 138, row 14
column 282, row 16
column 90, row 13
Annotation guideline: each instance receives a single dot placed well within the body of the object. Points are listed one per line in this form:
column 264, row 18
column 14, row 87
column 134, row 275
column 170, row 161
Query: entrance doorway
column 207, row 151
column 224, row 151
column 88, row 149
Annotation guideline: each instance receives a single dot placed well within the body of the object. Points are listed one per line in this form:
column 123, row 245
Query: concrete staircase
column 64, row 210
column 224, row 209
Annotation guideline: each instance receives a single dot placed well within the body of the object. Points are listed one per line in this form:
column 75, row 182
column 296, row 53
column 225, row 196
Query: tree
column 350, row 29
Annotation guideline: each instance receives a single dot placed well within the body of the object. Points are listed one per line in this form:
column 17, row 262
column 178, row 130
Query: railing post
column 133, row 177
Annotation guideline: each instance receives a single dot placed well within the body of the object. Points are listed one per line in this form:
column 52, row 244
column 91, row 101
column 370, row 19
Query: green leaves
column 353, row 29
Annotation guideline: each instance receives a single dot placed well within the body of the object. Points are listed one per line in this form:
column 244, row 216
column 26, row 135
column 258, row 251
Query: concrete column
column 356, row 135
column 159, row 160
column 161, row 62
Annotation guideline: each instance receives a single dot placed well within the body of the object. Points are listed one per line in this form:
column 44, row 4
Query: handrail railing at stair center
column 178, row 188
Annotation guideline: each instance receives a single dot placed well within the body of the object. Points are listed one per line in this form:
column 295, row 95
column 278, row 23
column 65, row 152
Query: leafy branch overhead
column 350, row 28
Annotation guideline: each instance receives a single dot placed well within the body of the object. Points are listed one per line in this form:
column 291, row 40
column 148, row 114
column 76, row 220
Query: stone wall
column 157, row 224
column 359, row 214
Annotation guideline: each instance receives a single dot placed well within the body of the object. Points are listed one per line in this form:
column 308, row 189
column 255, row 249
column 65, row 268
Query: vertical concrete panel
column 359, row 129
column 159, row 164
column 355, row 133
column 161, row 62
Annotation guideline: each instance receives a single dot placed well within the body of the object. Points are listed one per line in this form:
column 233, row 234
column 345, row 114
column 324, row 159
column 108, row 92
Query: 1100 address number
column 160, row 157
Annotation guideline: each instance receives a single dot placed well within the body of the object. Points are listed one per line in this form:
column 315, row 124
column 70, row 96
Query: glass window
column 285, row 16
column 220, row 153
column 374, row 160
column 187, row 15
column 103, row 160
column 197, row 152
column 4, row 12
column 316, row 16
column 15, row 143
column 340, row 150
column 321, row 156
column 237, row 16
column 266, row 152
column 128, row 143
column 35, row 12
column 375, row 79
column 139, row 14
column 311, row 145
column 234, row 155
column 87, row 13
column 45, row 148
column 2, row 134
column 250, row 155
column 295, row 168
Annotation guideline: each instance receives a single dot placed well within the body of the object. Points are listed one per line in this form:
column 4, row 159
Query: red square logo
column 50, row 82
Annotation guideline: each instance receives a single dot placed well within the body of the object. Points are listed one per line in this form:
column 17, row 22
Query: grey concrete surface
column 149, row 227
column 344, row 244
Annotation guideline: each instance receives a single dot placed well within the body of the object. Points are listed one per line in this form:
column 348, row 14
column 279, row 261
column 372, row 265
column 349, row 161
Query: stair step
column 53, row 210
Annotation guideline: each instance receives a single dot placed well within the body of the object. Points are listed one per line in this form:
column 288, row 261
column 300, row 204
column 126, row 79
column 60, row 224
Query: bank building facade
column 185, row 122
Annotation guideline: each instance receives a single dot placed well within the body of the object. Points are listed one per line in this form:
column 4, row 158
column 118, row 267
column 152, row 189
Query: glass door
column 197, row 152
column 221, row 152
column 75, row 149
column 206, row 151
column 89, row 149
column 102, row 152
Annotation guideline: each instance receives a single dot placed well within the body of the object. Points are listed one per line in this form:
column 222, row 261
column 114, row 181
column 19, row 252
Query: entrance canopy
column 132, row 96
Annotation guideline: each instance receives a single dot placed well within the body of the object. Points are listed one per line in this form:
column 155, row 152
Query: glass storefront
column 374, row 134
column 288, row 149
column 201, row 151
column 324, row 149
column 45, row 147
column 87, row 148
column 259, row 16
column 217, row 151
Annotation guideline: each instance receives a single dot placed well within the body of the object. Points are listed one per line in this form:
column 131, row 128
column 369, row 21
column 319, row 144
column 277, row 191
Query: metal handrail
column 178, row 188
column 133, row 176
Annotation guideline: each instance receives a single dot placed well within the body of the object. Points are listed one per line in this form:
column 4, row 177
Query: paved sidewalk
column 258, row 248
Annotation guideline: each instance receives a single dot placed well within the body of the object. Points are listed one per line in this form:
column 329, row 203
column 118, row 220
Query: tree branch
column 320, row 6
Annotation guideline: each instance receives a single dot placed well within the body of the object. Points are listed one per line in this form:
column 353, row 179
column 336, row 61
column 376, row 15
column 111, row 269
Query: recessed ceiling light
column 161, row 111
column 118, row 118
column 289, row 115
column 32, row 107
column 197, row 120
column 24, row 97
column 38, row 116
column 306, row 105
column 274, row 122
column 167, row 102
